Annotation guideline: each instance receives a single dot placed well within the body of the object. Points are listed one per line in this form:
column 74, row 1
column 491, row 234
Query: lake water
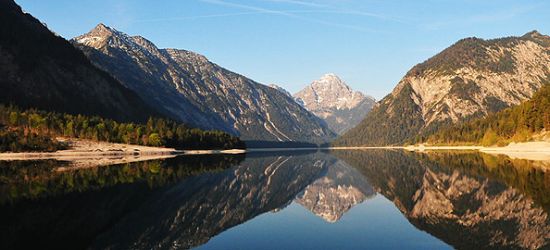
column 376, row 199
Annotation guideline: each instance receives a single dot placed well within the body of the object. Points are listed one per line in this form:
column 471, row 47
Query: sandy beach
column 537, row 150
column 87, row 153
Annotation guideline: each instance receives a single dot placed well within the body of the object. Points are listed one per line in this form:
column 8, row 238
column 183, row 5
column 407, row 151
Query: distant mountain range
column 127, row 78
column 470, row 79
column 332, row 100
column 188, row 87
column 41, row 70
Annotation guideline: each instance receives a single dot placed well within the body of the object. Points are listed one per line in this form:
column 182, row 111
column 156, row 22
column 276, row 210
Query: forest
column 34, row 130
column 515, row 124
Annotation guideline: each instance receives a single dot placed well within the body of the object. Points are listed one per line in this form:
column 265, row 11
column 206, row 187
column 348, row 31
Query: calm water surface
column 377, row 199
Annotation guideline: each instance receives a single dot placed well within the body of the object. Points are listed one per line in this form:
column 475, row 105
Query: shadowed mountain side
column 39, row 69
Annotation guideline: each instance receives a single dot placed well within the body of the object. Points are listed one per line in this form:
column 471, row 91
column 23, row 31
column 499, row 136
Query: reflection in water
column 39, row 179
column 468, row 200
column 193, row 211
column 332, row 195
column 46, row 208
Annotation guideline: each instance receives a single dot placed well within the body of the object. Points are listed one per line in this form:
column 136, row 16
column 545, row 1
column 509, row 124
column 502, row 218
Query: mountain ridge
column 470, row 79
column 200, row 92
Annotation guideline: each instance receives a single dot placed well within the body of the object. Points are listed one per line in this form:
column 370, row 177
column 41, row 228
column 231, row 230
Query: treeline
column 515, row 124
column 43, row 126
column 18, row 140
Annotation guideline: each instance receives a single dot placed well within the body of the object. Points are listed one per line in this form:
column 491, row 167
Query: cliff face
column 472, row 78
column 193, row 89
column 506, row 72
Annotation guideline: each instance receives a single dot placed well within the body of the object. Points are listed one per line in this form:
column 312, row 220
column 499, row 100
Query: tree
column 490, row 138
column 154, row 140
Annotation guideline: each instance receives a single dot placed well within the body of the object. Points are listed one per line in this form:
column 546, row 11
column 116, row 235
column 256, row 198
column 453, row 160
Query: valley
column 440, row 102
column 217, row 124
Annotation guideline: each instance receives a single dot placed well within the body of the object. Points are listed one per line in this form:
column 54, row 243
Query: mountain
column 41, row 70
column 335, row 193
column 199, row 92
column 472, row 78
column 335, row 102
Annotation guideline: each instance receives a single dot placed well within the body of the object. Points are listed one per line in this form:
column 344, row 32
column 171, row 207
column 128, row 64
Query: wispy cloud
column 313, row 8
column 293, row 13
column 343, row 12
column 301, row 3
column 164, row 19
column 332, row 9
column 247, row 7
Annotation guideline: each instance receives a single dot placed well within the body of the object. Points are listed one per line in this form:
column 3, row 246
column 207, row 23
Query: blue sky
column 369, row 43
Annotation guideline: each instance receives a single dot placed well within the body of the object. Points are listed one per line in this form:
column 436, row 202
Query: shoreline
column 86, row 150
column 537, row 150
column 82, row 150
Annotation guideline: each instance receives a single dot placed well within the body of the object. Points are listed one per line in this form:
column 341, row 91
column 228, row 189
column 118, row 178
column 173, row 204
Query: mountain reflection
column 195, row 210
column 333, row 194
column 46, row 205
column 468, row 200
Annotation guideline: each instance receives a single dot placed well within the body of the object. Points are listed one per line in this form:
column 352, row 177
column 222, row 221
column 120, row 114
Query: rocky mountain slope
column 472, row 78
column 281, row 89
column 529, row 120
column 335, row 102
column 200, row 92
column 41, row 70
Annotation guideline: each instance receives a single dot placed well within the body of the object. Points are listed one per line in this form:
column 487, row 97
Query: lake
column 348, row 199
